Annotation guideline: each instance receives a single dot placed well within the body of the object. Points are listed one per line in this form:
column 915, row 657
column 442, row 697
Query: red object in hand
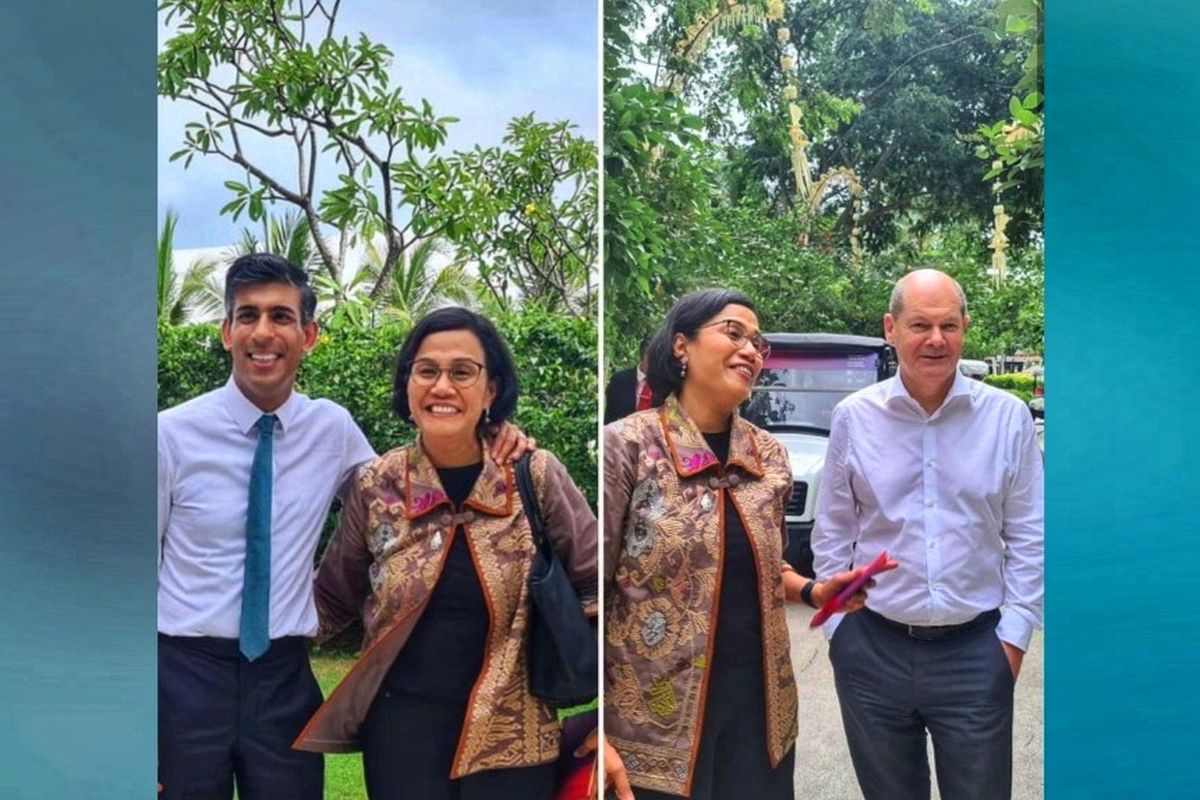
column 834, row 604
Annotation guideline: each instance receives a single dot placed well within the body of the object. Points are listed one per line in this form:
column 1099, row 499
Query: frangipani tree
column 275, row 74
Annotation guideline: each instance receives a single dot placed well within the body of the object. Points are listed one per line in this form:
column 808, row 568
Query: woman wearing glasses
column 700, row 700
column 433, row 552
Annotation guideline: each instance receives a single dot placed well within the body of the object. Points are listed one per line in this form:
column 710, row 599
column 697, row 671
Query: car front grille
column 799, row 497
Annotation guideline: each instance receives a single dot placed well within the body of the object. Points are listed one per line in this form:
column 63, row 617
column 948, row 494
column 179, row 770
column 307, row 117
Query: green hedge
column 191, row 361
column 556, row 366
column 1013, row 380
column 1018, row 383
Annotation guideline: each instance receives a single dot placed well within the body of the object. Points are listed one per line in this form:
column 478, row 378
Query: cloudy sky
column 483, row 62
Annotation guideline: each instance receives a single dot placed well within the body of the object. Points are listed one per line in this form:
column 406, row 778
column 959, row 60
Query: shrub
column 191, row 361
column 1017, row 383
column 1010, row 381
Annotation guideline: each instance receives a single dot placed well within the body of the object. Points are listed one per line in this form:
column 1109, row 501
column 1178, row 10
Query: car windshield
column 797, row 390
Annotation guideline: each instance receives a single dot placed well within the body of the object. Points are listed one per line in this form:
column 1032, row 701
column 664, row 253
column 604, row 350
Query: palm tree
column 194, row 296
column 289, row 236
column 417, row 285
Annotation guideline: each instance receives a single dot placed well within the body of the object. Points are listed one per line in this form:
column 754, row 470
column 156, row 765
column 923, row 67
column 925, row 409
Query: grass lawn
column 343, row 771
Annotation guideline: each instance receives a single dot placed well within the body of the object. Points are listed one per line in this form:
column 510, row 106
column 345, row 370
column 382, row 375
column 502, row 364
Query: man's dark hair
column 686, row 316
column 496, row 358
column 256, row 269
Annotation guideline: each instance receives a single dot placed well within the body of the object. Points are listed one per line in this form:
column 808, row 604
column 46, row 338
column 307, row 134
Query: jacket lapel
column 691, row 454
column 491, row 494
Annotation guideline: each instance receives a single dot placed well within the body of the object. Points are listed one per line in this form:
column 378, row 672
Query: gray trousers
column 893, row 688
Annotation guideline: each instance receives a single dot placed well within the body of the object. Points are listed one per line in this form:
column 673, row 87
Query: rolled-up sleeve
column 1024, row 542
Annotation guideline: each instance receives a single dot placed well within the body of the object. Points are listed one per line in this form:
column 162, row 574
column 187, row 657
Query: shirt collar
column 961, row 387
column 641, row 376
column 423, row 492
column 246, row 415
column 690, row 452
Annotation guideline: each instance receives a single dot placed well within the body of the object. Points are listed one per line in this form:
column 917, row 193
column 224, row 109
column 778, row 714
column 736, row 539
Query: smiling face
column 446, row 412
column 720, row 372
column 267, row 342
column 928, row 336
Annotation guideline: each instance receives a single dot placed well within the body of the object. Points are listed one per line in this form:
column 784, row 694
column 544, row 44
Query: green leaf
column 1019, row 112
column 230, row 206
column 1016, row 25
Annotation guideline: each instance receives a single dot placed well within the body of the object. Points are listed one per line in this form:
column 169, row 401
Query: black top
column 739, row 618
column 443, row 656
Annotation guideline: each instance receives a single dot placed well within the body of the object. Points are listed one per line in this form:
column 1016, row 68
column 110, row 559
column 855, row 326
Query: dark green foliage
column 354, row 368
column 818, row 289
column 191, row 361
column 894, row 90
column 556, row 364
column 658, row 193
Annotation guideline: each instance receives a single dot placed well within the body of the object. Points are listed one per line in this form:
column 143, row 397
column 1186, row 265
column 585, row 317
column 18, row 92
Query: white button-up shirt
column 954, row 496
column 205, row 451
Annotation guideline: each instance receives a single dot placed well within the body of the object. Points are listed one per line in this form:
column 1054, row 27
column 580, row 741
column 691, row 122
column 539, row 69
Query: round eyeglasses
column 463, row 372
column 736, row 332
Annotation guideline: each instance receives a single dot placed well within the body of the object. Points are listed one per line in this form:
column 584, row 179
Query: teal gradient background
column 77, row 441
column 1122, row 484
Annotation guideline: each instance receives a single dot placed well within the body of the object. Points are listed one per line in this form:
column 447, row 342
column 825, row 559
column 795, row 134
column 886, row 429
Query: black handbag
column 563, row 652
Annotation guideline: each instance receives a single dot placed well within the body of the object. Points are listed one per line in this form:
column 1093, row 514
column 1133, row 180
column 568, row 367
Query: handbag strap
column 529, row 500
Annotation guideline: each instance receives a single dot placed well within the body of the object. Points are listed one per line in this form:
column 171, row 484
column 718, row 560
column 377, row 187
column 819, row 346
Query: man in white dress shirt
column 225, row 715
column 945, row 474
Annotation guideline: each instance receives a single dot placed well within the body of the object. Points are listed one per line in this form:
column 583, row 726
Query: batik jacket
column 664, row 508
column 383, row 563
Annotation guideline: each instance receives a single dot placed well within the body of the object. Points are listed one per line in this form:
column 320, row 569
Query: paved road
column 823, row 770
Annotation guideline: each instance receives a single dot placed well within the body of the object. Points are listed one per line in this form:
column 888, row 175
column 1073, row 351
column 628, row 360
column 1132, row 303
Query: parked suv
column 806, row 375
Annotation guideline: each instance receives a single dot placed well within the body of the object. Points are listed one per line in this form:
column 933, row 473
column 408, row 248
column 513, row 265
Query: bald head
column 926, row 325
column 925, row 280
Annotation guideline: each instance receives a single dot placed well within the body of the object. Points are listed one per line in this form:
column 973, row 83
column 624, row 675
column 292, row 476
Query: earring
column 487, row 416
column 682, row 368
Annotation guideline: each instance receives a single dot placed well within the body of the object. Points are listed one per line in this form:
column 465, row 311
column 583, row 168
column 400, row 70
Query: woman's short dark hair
column 496, row 358
column 686, row 316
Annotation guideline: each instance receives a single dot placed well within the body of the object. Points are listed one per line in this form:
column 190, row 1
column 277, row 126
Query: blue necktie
column 253, row 637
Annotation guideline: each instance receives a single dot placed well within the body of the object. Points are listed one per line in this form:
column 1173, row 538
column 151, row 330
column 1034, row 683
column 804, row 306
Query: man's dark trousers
column 893, row 687
column 221, row 717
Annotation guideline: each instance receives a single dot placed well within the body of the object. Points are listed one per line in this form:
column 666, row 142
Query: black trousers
column 408, row 750
column 732, row 762
column 893, row 688
column 223, row 719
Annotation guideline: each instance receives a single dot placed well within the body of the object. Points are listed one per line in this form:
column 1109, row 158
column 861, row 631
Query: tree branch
column 872, row 92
